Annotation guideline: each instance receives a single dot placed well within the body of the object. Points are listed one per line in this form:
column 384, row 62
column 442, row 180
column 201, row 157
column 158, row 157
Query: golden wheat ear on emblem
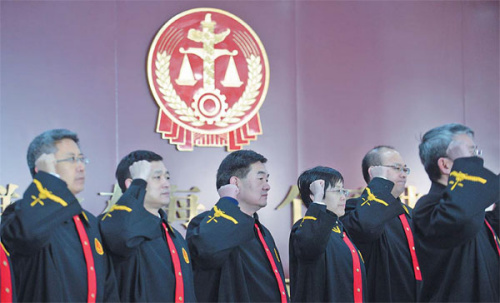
column 208, row 72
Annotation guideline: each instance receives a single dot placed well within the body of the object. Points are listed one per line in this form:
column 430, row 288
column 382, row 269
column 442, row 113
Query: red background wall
column 345, row 76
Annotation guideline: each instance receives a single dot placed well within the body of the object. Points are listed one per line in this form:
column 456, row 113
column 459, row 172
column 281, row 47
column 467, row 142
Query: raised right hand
column 228, row 190
column 46, row 163
column 378, row 171
column 140, row 170
column 458, row 149
column 317, row 189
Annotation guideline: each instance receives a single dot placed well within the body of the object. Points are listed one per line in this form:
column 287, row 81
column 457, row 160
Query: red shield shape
column 209, row 74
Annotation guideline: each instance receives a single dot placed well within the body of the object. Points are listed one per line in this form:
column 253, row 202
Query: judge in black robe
column 461, row 247
column 381, row 226
column 46, row 250
column 134, row 231
column 230, row 262
column 378, row 232
column 55, row 245
column 457, row 237
column 325, row 266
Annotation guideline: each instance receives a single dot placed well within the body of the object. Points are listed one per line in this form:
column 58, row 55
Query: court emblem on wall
column 209, row 74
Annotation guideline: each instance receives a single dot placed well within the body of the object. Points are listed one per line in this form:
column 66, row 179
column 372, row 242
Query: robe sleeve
column 455, row 215
column 311, row 236
column 27, row 224
column 111, row 286
column 128, row 224
column 213, row 235
column 366, row 216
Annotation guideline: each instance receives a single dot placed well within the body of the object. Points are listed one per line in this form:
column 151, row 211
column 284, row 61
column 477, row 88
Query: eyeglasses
column 74, row 159
column 476, row 151
column 342, row 191
column 399, row 168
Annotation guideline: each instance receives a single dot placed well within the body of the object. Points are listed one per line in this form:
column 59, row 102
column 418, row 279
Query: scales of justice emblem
column 209, row 74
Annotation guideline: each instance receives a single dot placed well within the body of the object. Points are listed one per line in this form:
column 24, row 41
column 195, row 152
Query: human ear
column 444, row 165
column 234, row 180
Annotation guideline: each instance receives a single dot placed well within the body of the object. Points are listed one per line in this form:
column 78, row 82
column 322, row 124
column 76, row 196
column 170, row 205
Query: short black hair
column 328, row 174
column 45, row 143
column 237, row 164
column 122, row 170
column 373, row 158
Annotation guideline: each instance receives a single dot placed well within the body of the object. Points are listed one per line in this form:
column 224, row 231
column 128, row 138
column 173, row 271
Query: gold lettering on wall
column 410, row 196
column 184, row 205
column 115, row 196
column 7, row 194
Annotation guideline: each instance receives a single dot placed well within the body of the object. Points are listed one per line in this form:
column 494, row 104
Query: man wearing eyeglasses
column 457, row 237
column 55, row 245
column 380, row 226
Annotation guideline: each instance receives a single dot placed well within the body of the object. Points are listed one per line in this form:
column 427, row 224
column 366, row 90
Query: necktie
column 411, row 246
column 495, row 238
column 179, row 283
column 273, row 265
column 356, row 271
column 89, row 260
column 5, row 277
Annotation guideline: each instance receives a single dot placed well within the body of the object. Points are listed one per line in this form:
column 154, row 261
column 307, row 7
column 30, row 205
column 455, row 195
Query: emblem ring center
column 213, row 106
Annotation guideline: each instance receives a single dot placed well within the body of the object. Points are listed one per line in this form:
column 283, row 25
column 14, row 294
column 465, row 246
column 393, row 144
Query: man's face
column 71, row 173
column 391, row 157
column 253, row 188
column 158, row 188
column 335, row 199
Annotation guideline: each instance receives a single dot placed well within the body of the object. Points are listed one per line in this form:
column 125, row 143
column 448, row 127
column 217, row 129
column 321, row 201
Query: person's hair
column 435, row 142
column 373, row 158
column 237, row 164
column 330, row 175
column 45, row 143
column 123, row 171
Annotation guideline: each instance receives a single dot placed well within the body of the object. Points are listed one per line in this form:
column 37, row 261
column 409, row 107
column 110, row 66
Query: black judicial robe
column 229, row 262
column 321, row 263
column 462, row 260
column 138, row 247
column 46, row 252
column 377, row 231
